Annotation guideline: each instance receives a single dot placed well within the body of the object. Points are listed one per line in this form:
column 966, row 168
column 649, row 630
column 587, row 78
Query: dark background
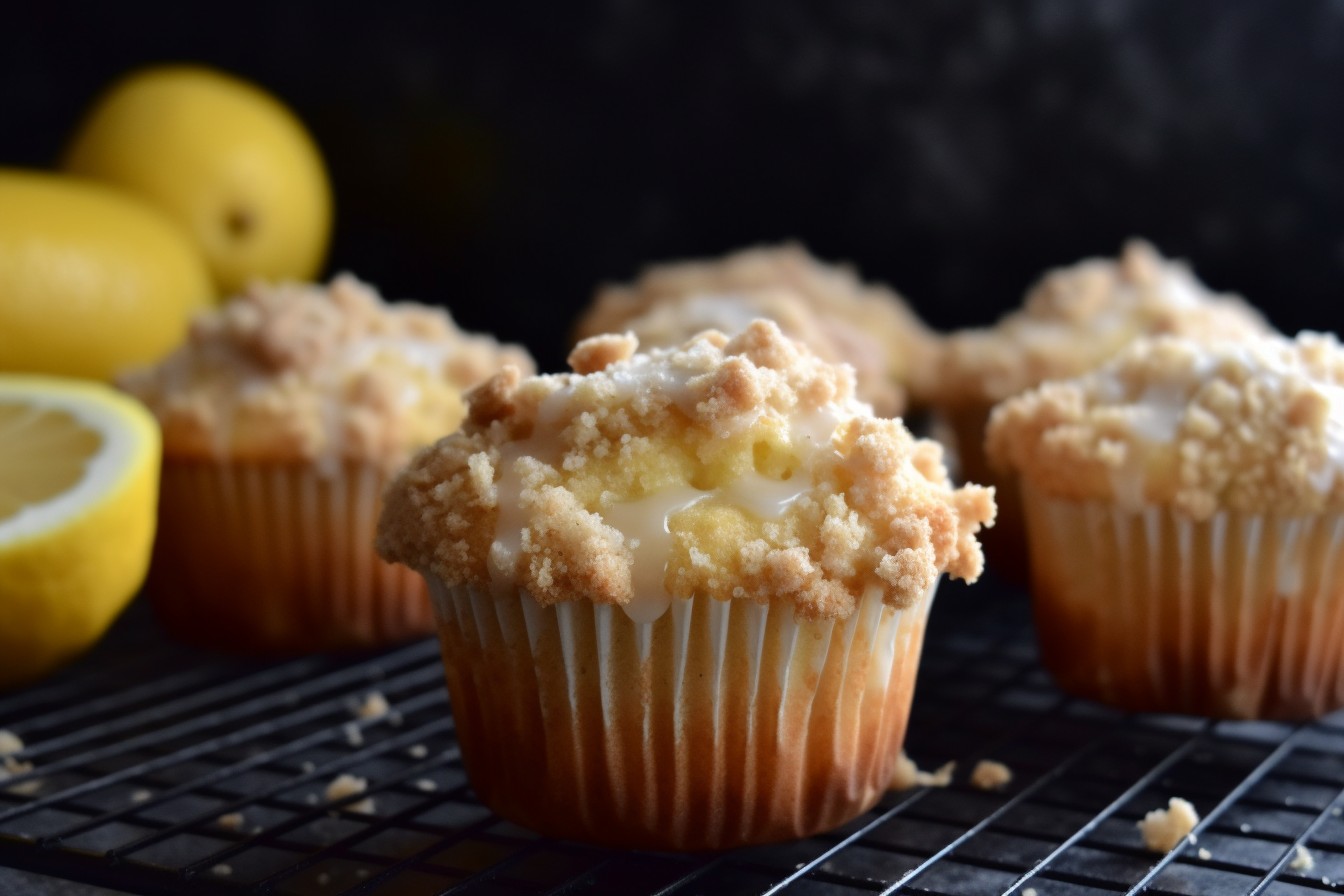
column 502, row 158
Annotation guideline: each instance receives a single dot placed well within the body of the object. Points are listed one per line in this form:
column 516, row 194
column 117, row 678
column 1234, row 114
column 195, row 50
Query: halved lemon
column 79, row 478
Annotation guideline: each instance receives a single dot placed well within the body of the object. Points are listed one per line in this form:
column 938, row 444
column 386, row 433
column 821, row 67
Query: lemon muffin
column 284, row 416
column 840, row 317
column 1183, row 507
column 1073, row 319
column 681, row 593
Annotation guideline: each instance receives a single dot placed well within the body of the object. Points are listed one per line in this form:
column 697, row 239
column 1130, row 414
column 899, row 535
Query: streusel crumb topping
column 302, row 371
column 1076, row 317
column 1255, row 426
column 731, row 468
column 841, row 318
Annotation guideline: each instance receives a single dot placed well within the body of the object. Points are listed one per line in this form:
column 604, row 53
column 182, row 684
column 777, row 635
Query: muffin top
column 1254, row 426
column 840, row 317
column 301, row 372
column 738, row 468
column 1075, row 318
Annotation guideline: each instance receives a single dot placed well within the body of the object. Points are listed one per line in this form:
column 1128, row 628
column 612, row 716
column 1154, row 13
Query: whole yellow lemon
column 224, row 159
column 92, row 280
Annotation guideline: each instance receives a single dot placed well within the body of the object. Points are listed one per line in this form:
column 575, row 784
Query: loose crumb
column 1163, row 829
column 1244, row 828
column 1302, row 859
column 231, row 821
column 142, row 795
column 221, row 870
column 343, row 786
column 1337, row 811
column 418, row 751
column 426, row 785
column 1029, row 891
column 12, row 768
column 1204, row 854
column 307, row 768
column 310, row 799
column 990, row 775
column 374, row 706
column 10, row 743
column 353, row 736
column 908, row 774
column 323, row 879
column 395, row 719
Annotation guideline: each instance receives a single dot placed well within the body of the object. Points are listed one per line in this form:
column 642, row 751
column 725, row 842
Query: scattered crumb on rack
column 990, row 775
column 1162, row 829
column 908, row 774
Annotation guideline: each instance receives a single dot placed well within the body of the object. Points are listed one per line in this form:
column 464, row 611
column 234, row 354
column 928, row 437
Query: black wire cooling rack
column 160, row 770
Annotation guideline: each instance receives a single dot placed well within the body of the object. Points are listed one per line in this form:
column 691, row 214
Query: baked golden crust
column 301, row 372
column 1076, row 317
column 841, row 318
column 1254, row 426
column 739, row 468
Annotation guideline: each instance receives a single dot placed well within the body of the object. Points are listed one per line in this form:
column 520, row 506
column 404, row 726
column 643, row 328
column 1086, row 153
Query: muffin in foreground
column 1074, row 319
column 284, row 416
column 1183, row 507
column 681, row 594
column 838, row 316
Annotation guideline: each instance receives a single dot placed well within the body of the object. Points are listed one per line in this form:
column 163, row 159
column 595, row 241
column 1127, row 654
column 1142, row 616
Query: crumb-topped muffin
column 681, row 593
column 284, row 415
column 1184, row 512
column 1073, row 319
column 840, row 317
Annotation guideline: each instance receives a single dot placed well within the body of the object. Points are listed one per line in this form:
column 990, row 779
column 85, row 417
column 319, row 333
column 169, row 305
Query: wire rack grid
column 158, row 770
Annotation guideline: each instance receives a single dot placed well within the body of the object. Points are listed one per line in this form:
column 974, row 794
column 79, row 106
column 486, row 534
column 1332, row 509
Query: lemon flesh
column 78, row 491
column 224, row 159
column 91, row 280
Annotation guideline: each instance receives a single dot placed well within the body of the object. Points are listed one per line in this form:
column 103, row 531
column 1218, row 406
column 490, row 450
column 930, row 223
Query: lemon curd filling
column 43, row 453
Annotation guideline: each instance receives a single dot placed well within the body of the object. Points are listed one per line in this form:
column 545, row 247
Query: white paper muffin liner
column 254, row 556
column 718, row 724
column 1237, row 616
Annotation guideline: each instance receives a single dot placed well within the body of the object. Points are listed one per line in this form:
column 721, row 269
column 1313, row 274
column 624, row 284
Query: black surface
column 142, row 746
column 503, row 158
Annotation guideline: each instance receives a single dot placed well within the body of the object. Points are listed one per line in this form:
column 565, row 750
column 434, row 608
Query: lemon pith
column 78, row 491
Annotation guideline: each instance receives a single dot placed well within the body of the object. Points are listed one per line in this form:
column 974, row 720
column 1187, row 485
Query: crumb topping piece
column 1254, row 426
column 12, row 767
column 908, row 774
column 733, row 469
column 1162, row 829
column 373, row 706
column 345, row 785
column 301, row 371
column 990, row 775
column 1076, row 317
column 1302, row 859
column 231, row 821
column 841, row 318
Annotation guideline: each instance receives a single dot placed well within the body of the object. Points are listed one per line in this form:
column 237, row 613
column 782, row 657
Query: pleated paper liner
column 279, row 558
column 720, row 724
column 1238, row 616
